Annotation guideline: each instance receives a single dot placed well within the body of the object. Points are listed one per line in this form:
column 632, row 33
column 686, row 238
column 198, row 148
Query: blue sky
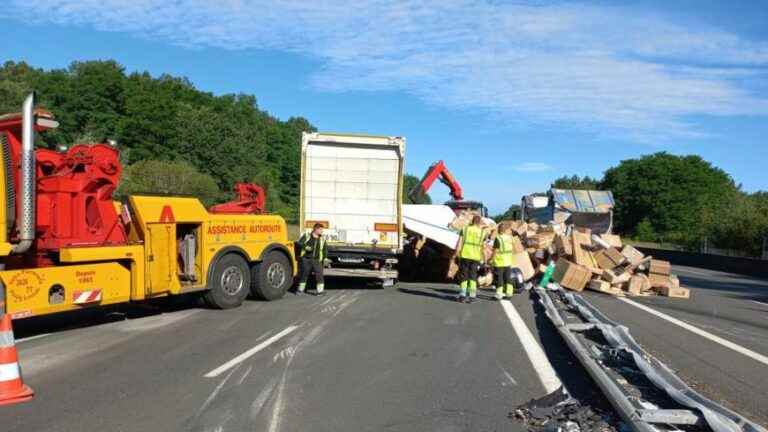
column 509, row 94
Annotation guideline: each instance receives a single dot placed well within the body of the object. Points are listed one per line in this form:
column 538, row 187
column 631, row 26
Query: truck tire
column 271, row 278
column 229, row 282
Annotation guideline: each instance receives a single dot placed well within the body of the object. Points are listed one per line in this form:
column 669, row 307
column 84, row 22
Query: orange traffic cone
column 12, row 388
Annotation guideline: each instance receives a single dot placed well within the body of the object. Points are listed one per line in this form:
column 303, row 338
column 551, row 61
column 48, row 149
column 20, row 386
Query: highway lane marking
column 244, row 356
column 31, row 338
column 717, row 339
column 539, row 360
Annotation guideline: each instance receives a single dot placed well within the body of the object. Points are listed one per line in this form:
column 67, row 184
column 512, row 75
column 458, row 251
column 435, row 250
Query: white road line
column 536, row 355
column 30, row 338
column 717, row 339
column 242, row 357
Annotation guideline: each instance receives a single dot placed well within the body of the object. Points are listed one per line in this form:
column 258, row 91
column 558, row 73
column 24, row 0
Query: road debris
column 560, row 412
column 646, row 393
column 598, row 262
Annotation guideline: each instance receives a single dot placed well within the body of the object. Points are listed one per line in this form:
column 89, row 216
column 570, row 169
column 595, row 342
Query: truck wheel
column 229, row 283
column 272, row 277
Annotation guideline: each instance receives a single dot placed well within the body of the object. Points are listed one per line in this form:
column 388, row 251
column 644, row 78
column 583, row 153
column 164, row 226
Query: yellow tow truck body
column 166, row 245
column 148, row 267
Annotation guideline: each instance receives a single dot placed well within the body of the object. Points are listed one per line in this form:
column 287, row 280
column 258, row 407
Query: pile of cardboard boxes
column 596, row 262
column 583, row 260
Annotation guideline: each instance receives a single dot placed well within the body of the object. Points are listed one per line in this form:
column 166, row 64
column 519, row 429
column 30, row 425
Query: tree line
column 173, row 137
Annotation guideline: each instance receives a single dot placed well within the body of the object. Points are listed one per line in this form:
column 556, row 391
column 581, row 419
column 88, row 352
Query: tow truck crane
column 65, row 244
column 436, row 171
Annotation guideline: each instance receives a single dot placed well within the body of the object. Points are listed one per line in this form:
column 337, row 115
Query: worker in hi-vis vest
column 312, row 252
column 503, row 261
column 470, row 253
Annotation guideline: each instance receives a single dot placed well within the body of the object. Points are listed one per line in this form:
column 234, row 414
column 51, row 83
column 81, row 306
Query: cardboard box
column 522, row 261
column 564, row 245
column 632, row 255
column 660, row 281
column 638, row 284
column 609, row 259
column 462, row 219
column 541, row 240
column 599, row 285
column 604, row 287
column 675, row 291
column 612, row 239
column 518, row 227
column 583, row 238
column 615, row 279
column 453, row 268
column 570, row 275
column 517, row 245
column 660, row 267
column 581, row 256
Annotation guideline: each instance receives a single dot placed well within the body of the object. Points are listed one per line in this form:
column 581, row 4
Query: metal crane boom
column 436, row 171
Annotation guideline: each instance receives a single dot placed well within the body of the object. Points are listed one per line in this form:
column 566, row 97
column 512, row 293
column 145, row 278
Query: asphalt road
column 731, row 307
column 358, row 359
column 407, row 359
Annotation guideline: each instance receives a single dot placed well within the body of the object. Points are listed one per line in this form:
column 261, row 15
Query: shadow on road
column 446, row 293
column 95, row 316
column 433, row 293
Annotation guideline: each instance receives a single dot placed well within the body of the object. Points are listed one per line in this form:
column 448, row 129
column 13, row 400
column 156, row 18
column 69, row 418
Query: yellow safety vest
column 503, row 256
column 472, row 248
column 318, row 254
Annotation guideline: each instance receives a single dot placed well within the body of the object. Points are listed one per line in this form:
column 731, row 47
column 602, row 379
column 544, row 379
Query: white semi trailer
column 352, row 185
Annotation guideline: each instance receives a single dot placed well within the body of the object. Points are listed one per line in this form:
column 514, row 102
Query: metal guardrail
column 638, row 416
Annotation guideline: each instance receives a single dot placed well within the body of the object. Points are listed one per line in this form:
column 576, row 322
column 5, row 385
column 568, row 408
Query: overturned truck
column 584, row 208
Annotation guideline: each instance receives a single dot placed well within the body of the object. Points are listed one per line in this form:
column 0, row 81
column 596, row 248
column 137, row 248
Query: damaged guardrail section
column 646, row 394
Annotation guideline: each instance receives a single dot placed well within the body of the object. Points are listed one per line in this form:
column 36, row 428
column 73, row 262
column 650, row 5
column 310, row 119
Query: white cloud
column 530, row 167
column 608, row 69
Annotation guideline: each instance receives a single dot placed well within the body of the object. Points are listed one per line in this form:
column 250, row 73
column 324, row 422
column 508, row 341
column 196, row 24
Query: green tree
column 14, row 86
column 512, row 213
column 168, row 178
column 744, row 226
column 575, row 182
column 409, row 182
column 644, row 231
column 680, row 196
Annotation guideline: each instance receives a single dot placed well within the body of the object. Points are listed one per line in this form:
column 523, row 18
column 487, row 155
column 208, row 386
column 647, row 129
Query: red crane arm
column 438, row 170
column 251, row 199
